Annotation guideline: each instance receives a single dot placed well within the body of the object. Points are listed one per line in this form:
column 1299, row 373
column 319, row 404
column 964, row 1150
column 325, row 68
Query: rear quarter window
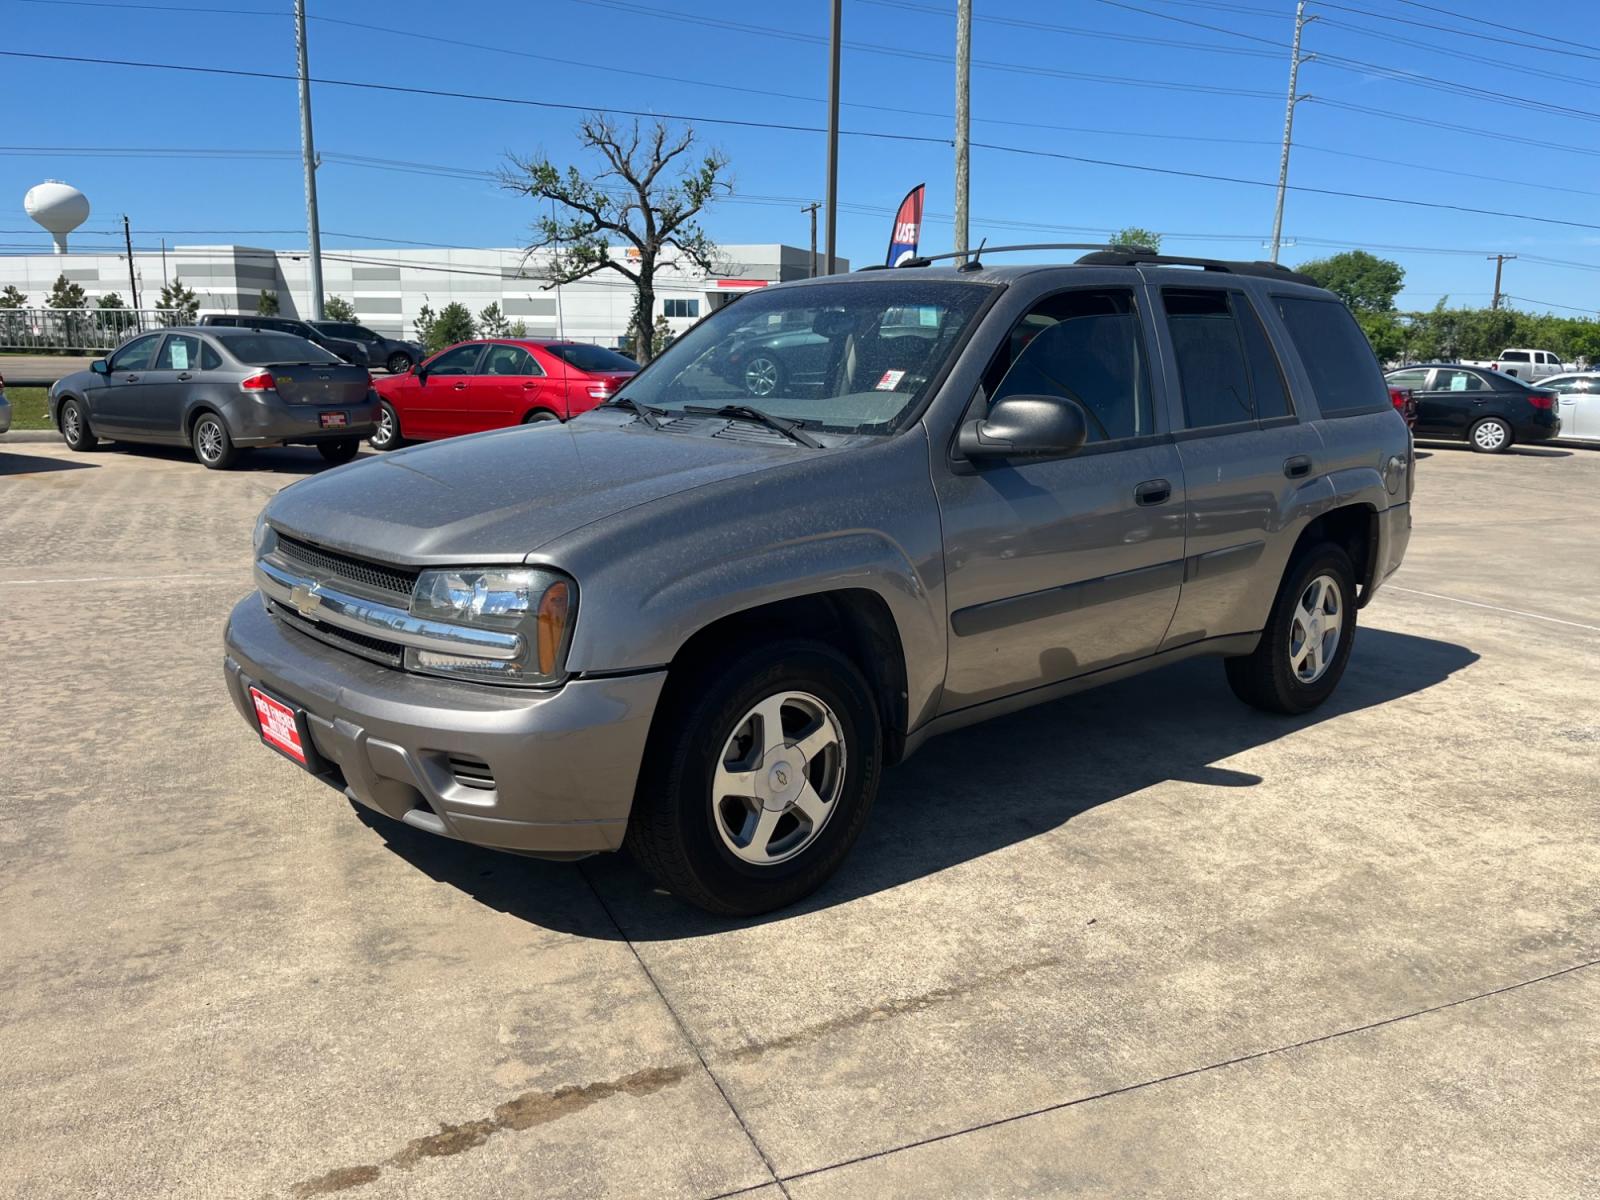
column 1337, row 357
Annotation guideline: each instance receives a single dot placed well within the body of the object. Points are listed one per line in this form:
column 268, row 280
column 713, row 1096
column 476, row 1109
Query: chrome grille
column 378, row 650
column 331, row 565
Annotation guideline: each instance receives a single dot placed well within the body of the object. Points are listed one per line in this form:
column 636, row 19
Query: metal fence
column 78, row 329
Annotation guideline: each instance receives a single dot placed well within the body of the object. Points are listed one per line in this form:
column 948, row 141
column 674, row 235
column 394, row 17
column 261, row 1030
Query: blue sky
column 1097, row 79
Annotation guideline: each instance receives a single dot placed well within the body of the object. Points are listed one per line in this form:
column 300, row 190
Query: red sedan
column 493, row 383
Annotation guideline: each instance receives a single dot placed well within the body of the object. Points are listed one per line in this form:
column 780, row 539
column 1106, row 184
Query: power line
column 1461, row 16
column 1434, row 27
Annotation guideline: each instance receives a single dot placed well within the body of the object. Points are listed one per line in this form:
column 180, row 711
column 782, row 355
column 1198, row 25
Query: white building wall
column 390, row 287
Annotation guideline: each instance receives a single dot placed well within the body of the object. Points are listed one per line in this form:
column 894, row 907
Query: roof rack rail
column 926, row 260
column 1141, row 258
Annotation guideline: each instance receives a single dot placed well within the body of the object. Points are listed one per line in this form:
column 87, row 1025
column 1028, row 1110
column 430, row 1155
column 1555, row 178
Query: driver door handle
column 130, row 379
column 1152, row 492
column 184, row 376
column 461, row 387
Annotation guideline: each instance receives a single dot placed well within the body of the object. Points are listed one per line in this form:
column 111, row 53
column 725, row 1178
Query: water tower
column 59, row 207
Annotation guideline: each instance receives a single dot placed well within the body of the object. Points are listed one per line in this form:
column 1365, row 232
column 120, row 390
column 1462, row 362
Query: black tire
column 674, row 831
column 387, row 435
column 75, row 429
column 762, row 375
column 1267, row 678
column 1490, row 436
column 399, row 363
column 339, row 450
column 212, row 443
column 539, row 414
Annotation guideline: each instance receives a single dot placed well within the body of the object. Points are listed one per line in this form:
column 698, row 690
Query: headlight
column 263, row 539
column 534, row 602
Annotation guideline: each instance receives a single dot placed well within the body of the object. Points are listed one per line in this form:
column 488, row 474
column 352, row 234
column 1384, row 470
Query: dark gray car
column 218, row 390
column 344, row 348
column 391, row 354
column 701, row 630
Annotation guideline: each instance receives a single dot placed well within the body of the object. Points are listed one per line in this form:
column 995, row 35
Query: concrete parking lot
column 1141, row 942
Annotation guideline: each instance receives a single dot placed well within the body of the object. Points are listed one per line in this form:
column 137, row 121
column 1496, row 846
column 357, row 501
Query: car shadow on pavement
column 975, row 791
column 33, row 464
column 1524, row 451
column 274, row 460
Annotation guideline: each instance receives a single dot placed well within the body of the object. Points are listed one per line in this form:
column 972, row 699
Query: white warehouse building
column 390, row 287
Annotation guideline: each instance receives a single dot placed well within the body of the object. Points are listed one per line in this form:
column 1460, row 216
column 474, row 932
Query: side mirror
column 1026, row 427
column 100, row 367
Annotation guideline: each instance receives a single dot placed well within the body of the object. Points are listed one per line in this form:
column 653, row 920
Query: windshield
column 847, row 357
column 263, row 349
column 592, row 358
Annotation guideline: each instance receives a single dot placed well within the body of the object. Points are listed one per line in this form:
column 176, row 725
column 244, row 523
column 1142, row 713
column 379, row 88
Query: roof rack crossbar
column 928, row 259
column 1143, row 258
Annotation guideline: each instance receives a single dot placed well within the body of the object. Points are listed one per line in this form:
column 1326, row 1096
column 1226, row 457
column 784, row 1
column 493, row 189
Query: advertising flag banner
column 907, row 227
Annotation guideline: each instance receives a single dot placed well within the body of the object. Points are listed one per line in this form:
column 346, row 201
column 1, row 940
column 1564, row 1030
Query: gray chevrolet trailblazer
column 701, row 629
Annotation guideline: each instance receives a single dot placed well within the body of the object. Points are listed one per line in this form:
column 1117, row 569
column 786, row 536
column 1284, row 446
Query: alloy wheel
column 1316, row 628
column 1489, row 435
column 778, row 779
column 761, row 376
column 71, row 424
column 208, row 439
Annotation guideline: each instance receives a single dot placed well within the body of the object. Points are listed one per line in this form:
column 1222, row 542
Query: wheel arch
column 856, row 621
column 1354, row 529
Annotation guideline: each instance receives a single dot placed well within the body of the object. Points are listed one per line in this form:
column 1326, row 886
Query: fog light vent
column 472, row 772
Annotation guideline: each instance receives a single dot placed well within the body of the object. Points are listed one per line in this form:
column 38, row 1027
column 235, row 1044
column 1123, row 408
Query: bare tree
column 638, row 198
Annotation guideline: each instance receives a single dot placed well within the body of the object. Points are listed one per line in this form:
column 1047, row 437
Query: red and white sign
column 890, row 381
column 278, row 726
column 742, row 283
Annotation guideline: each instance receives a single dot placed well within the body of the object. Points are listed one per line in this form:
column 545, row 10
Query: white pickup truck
column 1527, row 365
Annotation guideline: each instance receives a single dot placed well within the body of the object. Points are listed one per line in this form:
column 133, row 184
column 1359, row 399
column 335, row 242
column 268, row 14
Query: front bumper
column 562, row 765
column 273, row 422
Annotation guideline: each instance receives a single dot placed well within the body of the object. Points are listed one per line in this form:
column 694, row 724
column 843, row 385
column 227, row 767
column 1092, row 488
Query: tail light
column 1400, row 397
column 261, row 381
column 600, row 391
column 1543, row 400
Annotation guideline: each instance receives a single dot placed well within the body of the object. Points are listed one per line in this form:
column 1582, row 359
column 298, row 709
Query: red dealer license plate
column 280, row 726
column 335, row 420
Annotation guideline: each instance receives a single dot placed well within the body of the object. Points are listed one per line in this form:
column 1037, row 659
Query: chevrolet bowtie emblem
column 306, row 599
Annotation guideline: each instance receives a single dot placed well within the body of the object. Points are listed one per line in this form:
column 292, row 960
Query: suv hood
column 497, row 497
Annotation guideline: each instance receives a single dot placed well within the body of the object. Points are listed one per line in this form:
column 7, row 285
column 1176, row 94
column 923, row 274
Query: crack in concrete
column 521, row 1112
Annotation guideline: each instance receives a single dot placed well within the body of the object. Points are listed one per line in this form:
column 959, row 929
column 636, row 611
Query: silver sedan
column 1579, row 397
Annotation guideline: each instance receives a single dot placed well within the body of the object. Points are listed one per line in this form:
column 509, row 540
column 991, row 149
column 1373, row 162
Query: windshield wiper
column 645, row 412
column 745, row 412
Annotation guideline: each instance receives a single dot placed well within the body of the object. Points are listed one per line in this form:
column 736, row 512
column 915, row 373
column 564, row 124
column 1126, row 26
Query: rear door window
column 1413, row 379
column 1458, row 381
column 1514, row 356
column 180, row 352
column 1212, row 371
column 508, row 360
column 1336, row 355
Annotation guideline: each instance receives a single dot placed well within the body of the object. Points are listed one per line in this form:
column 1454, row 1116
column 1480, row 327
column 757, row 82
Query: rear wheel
column 399, row 363
column 75, row 429
column 340, row 450
column 1307, row 641
column 1491, row 436
column 759, row 779
column 387, row 435
column 763, row 375
column 537, row 415
column 212, row 443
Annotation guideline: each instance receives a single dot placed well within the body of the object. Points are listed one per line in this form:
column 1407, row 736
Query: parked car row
column 1493, row 411
column 343, row 339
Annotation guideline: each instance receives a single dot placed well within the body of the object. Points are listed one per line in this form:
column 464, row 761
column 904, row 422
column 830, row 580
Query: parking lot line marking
column 1515, row 612
column 121, row 579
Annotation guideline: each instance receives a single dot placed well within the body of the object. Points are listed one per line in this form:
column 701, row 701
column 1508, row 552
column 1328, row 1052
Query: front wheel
column 75, row 429
column 763, row 376
column 213, row 445
column 340, row 450
column 1491, row 436
column 759, row 779
column 399, row 363
column 1307, row 641
column 387, row 435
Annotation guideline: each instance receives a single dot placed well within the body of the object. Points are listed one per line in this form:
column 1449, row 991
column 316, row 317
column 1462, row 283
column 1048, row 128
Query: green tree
column 1364, row 281
column 1133, row 235
column 519, row 329
column 647, row 195
column 454, row 324
column 66, row 294
column 110, row 300
column 492, row 322
column 661, row 335
column 1386, row 333
column 337, row 308
column 12, row 298
column 180, row 301
column 267, row 303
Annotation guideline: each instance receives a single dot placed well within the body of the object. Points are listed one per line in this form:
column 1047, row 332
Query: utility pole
column 812, row 209
column 963, row 90
column 1499, row 263
column 1300, row 22
column 833, row 137
column 133, row 282
column 309, row 152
